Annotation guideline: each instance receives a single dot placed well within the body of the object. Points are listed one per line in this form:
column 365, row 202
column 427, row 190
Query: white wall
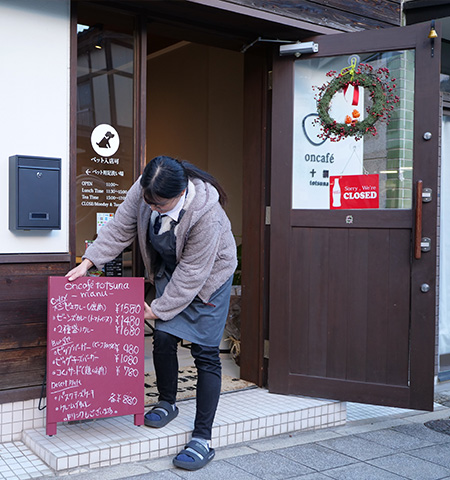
column 34, row 105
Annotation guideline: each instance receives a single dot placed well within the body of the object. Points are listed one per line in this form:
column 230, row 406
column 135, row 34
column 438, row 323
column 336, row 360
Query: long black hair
column 166, row 177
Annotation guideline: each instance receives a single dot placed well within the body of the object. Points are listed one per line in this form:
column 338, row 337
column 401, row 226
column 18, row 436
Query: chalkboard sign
column 95, row 349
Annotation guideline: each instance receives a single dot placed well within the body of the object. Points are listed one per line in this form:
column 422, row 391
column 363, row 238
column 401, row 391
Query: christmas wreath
column 381, row 92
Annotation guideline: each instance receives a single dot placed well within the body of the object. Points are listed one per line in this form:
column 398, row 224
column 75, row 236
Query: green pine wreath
column 381, row 92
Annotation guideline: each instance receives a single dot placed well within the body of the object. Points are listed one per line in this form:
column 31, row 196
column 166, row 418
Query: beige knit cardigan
column 205, row 246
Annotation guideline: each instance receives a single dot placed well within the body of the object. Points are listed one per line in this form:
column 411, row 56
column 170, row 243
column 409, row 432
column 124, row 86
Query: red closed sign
column 354, row 191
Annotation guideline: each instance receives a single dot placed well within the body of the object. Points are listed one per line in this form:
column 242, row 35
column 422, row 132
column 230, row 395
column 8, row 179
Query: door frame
column 255, row 166
column 255, row 232
column 422, row 327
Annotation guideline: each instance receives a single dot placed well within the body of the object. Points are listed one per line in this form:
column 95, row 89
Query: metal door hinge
column 269, row 80
column 266, row 349
column 267, row 220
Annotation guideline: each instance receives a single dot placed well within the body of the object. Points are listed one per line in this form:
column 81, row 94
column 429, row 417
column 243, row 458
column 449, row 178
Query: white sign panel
column 315, row 160
column 105, row 140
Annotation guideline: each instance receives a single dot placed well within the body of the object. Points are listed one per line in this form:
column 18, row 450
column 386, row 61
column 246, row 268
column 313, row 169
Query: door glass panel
column 374, row 172
column 105, row 127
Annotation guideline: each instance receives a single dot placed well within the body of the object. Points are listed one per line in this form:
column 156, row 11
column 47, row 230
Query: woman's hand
column 148, row 312
column 80, row 270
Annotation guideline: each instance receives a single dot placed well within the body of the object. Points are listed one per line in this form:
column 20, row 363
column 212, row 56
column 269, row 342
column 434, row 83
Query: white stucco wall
column 34, row 106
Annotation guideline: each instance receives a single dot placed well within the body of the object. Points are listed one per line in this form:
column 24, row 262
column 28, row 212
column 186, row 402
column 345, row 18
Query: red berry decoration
column 381, row 92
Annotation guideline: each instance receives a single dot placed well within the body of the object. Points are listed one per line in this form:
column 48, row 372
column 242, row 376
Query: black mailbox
column 34, row 193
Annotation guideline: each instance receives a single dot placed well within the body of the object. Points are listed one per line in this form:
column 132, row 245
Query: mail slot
column 34, row 193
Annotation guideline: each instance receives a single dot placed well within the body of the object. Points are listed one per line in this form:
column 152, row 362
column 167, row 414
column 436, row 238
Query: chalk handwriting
column 95, row 340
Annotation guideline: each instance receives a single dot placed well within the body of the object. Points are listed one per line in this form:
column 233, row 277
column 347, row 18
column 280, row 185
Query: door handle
column 418, row 236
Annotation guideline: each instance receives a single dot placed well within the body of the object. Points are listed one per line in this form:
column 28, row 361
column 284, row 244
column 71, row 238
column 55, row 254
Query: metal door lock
column 424, row 288
column 425, row 244
column 427, row 195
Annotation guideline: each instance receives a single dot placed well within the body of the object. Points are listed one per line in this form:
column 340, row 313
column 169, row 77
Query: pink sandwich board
column 95, row 349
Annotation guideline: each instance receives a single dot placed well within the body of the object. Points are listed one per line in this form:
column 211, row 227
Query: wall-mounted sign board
column 95, row 349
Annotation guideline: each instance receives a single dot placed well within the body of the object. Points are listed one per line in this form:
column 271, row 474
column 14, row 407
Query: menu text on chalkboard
column 95, row 349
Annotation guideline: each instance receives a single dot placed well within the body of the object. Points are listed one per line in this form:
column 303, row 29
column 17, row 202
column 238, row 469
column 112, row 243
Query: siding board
column 22, row 368
column 17, row 312
column 342, row 15
column 23, row 336
column 383, row 11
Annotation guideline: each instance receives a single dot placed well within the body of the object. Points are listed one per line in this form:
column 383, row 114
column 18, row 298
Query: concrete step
column 241, row 416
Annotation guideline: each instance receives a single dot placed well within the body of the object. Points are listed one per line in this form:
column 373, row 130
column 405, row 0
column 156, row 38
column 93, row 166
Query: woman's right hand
column 80, row 270
column 148, row 312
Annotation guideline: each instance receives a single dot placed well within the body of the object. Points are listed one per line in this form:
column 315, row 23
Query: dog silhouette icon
column 104, row 142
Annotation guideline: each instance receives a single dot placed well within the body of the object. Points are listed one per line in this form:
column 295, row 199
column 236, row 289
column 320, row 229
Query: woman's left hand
column 148, row 313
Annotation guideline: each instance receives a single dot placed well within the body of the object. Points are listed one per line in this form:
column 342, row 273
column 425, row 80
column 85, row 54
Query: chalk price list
column 95, row 351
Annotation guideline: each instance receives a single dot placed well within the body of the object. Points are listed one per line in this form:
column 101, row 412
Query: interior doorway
column 162, row 90
column 194, row 112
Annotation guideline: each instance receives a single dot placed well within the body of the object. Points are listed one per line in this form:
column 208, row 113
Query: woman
column 188, row 249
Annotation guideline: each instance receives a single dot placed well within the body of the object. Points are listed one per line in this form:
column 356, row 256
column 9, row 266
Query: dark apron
column 201, row 323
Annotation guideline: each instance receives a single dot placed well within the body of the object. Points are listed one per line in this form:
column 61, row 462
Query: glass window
column 374, row 172
column 104, row 129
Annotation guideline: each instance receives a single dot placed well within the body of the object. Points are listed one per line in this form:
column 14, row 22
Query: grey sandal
column 165, row 411
column 197, row 452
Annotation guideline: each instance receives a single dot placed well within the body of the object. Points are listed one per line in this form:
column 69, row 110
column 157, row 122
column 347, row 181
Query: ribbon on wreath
column 355, row 99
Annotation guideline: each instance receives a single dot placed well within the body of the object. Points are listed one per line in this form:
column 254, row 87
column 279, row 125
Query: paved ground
column 386, row 448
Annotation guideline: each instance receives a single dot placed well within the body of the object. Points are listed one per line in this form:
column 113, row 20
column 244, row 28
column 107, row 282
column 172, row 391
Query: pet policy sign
column 315, row 158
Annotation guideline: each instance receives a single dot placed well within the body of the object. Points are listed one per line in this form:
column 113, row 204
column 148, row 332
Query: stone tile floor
column 358, row 450
column 377, row 443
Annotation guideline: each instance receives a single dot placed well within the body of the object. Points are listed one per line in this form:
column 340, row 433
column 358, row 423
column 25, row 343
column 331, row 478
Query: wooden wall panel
column 12, row 311
column 23, row 325
column 399, row 300
column 24, row 335
column 358, row 299
column 341, row 278
column 22, row 367
column 350, row 295
column 376, row 315
column 300, row 305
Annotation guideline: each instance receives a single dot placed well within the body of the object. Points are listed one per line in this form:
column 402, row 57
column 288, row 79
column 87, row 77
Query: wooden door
column 348, row 317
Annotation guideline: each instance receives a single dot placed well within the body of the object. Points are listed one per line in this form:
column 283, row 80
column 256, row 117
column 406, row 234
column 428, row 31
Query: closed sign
column 354, row 191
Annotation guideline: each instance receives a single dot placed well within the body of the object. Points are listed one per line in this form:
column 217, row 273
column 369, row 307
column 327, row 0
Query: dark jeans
column 209, row 370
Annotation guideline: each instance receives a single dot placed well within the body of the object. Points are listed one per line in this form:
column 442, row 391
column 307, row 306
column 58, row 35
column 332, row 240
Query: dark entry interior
column 195, row 110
